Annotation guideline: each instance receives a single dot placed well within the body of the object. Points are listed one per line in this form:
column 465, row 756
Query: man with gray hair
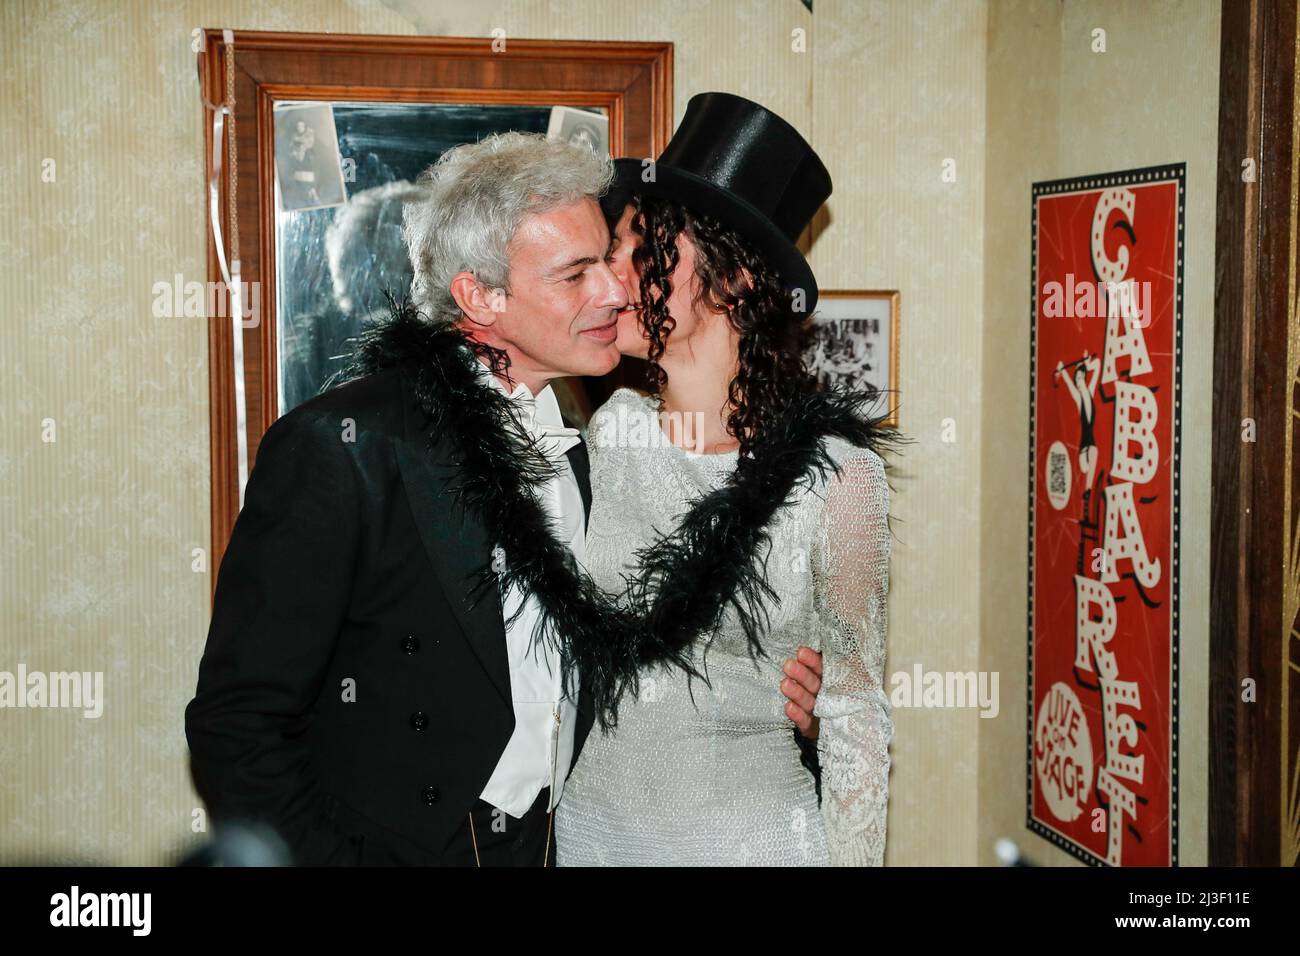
column 405, row 656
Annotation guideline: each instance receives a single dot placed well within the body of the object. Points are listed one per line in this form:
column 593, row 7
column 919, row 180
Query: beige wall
column 898, row 89
column 99, row 526
column 1056, row 109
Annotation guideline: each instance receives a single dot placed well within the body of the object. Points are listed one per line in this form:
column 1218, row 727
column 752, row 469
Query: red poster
column 1105, row 363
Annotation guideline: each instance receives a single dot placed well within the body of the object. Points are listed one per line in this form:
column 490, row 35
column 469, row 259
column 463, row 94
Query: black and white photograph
column 580, row 128
column 310, row 170
column 854, row 343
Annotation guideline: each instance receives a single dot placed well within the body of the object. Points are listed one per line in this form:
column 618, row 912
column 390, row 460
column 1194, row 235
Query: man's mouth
column 602, row 333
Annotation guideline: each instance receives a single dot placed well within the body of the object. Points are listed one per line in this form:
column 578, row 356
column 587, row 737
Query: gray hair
column 474, row 198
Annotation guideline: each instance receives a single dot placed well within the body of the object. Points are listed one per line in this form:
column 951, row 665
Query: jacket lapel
column 581, row 465
column 456, row 543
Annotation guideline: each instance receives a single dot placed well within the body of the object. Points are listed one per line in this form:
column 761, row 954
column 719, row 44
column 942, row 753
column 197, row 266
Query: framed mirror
column 313, row 143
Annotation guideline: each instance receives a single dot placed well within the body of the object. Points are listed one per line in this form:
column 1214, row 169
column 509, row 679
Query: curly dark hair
column 772, row 370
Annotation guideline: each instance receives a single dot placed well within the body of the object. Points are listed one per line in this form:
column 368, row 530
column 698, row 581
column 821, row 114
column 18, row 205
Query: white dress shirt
column 541, row 748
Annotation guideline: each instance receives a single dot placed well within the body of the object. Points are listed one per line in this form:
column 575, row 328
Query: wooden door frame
column 1255, row 498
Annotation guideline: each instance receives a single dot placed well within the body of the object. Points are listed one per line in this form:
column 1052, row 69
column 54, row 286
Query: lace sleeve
column 851, row 581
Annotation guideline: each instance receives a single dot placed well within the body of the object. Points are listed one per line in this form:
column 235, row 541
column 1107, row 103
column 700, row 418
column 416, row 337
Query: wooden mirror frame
column 632, row 81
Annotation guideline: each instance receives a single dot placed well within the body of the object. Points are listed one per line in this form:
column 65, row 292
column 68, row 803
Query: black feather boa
column 685, row 579
column 717, row 555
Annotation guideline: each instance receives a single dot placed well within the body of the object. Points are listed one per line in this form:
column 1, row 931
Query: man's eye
column 575, row 277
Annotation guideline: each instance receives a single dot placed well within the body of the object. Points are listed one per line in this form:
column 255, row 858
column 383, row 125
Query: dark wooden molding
column 632, row 80
column 1250, row 539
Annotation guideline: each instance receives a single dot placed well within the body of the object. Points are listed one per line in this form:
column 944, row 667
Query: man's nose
column 615, row 295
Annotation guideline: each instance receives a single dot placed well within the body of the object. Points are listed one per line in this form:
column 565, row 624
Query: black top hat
column 745, row 166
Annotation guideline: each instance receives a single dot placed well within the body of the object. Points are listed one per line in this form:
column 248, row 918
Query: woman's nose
column 621, row 266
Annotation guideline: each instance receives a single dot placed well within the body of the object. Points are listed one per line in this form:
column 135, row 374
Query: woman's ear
column 738, row 286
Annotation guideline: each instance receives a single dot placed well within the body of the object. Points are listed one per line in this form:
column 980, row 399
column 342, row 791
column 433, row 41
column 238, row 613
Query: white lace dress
column 717, row 780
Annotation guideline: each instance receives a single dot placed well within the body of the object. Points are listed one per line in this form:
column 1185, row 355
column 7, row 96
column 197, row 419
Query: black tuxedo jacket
column 351, row 695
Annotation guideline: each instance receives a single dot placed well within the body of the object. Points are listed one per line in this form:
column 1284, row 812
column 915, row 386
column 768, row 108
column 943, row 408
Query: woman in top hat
column 739, row 503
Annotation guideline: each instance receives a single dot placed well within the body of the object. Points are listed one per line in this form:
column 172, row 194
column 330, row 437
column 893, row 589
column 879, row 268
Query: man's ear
column 480, row 304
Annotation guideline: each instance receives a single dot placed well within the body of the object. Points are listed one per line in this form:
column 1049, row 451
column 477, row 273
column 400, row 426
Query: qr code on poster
column 1056, row 479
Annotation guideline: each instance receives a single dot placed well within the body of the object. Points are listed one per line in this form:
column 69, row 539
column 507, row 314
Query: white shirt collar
column 540, row 414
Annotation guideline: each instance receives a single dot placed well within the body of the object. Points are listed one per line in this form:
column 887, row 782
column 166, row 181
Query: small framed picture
column 855, row 343
column 580, row 127
column 307, row 162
